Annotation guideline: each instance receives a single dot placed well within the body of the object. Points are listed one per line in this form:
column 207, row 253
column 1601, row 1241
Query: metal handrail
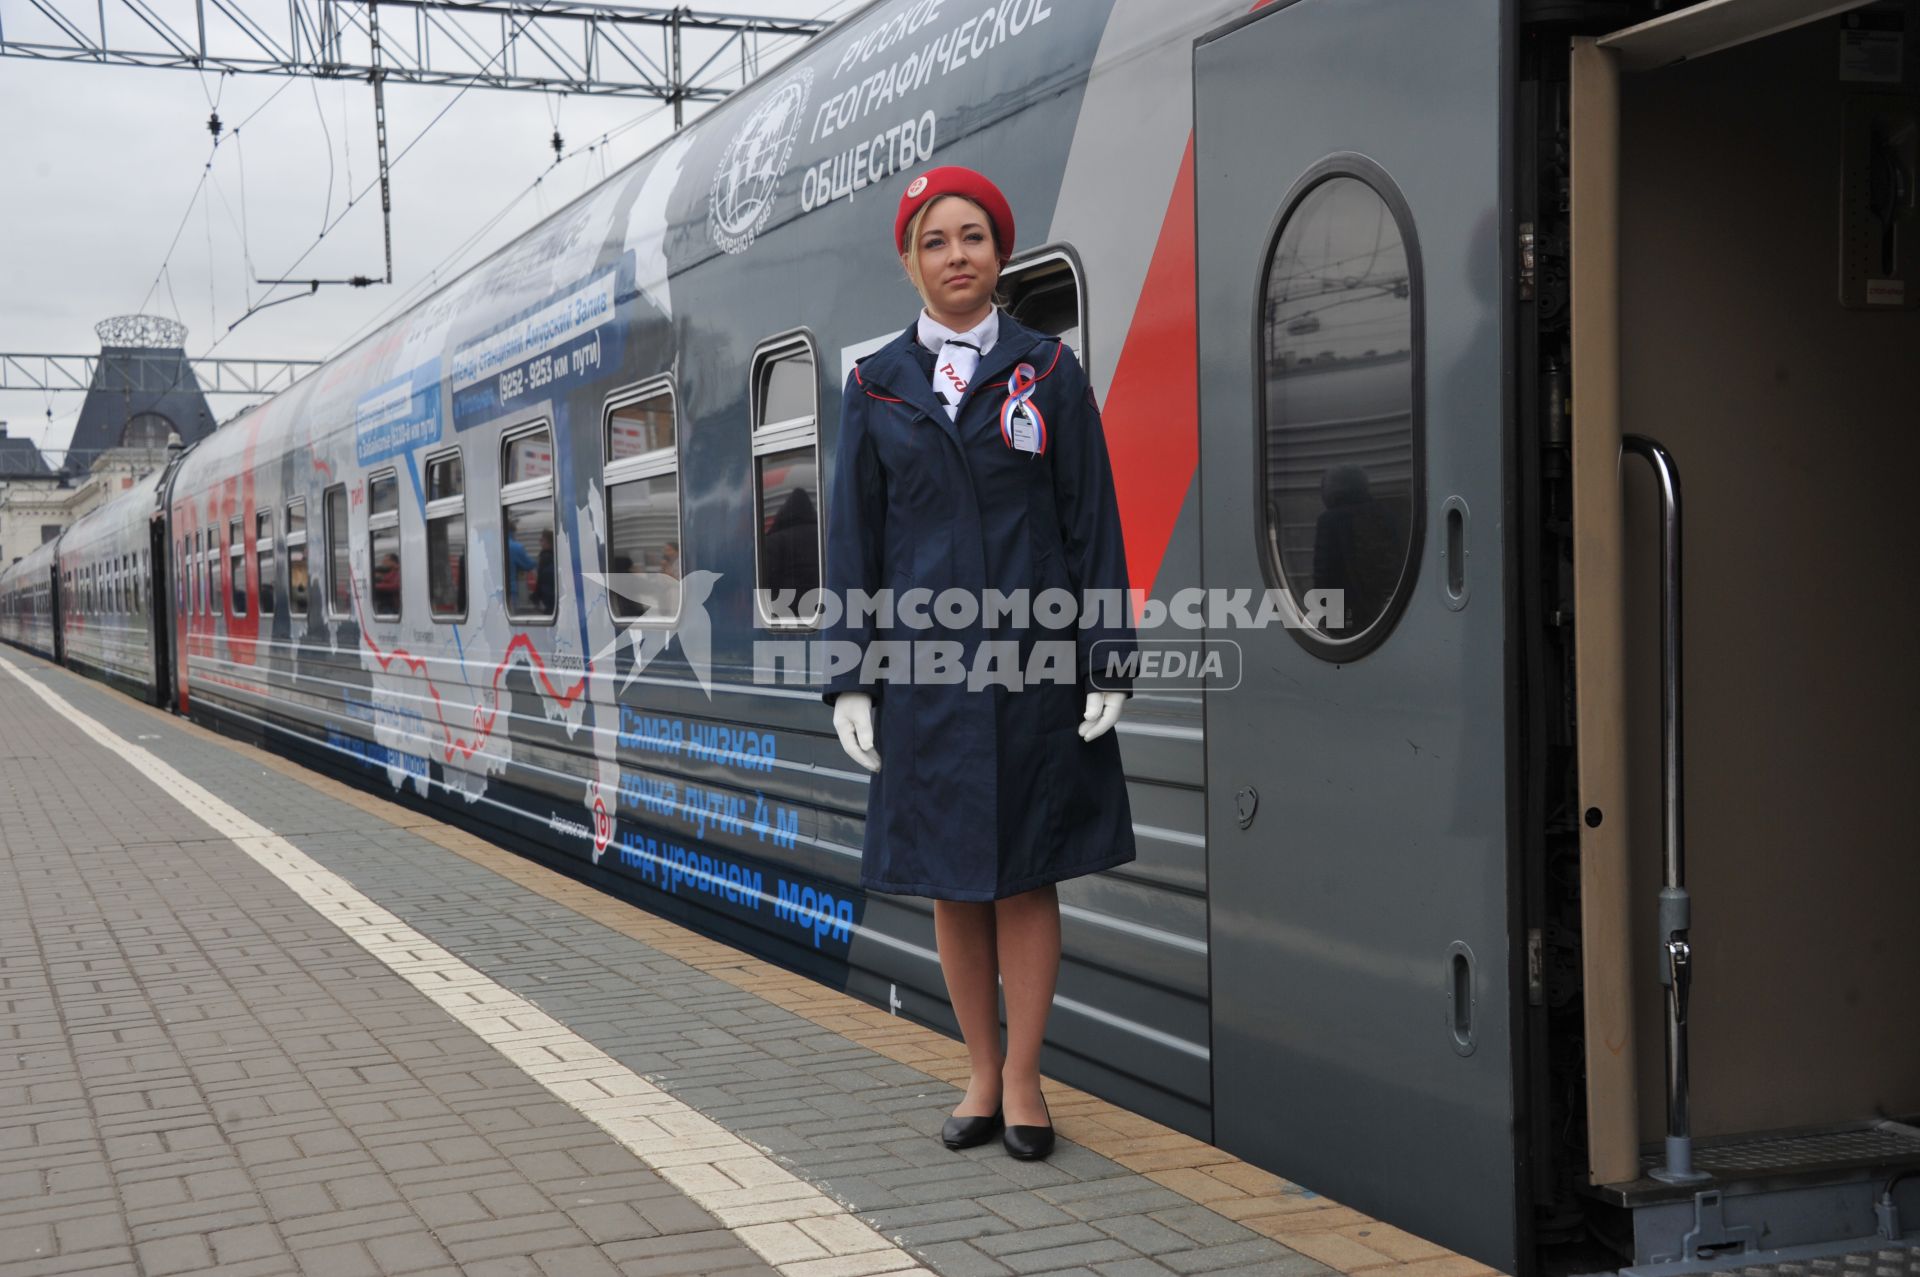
column 1676, row 907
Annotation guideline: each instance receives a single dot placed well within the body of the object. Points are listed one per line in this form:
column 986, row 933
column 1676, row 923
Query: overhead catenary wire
column 431, row 280
column 194, row 199
column 326, row 133
column 354, row 199
column 535, row 187
column 425, row 285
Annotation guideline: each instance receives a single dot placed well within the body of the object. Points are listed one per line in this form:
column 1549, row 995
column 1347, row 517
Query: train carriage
column 1375, row 296
column 28, row 599
column 107, row 577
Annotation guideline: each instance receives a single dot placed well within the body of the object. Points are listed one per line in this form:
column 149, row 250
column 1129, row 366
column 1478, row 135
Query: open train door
column 1351, row 185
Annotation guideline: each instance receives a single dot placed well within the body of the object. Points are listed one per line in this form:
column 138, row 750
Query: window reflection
column 1339, row 394
column 790, row 521
column 643, row 547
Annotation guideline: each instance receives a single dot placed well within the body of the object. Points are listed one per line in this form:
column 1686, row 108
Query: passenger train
column 1434, row 303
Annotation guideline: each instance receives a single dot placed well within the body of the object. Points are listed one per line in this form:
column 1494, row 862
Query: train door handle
column 1246, row 801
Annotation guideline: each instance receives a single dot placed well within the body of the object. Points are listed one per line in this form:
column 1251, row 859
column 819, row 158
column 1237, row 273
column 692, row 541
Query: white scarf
column 957, row 355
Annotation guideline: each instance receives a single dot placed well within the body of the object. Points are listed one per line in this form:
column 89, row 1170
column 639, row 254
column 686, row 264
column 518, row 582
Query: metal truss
column 150, row 372
column 563, row 46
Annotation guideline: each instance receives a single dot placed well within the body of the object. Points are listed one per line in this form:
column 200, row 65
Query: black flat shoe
column 1029, row 1143
column 966, row 1132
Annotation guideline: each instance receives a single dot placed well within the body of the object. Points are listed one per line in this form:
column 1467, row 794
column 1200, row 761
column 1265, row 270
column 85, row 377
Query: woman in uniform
column 970, row 462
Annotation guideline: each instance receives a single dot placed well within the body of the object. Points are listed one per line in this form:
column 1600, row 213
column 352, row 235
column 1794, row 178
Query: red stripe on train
column 1152, row 418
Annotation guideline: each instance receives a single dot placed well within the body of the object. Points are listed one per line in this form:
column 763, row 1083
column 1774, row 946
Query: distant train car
column 28, row 600
column 107, row 581
column 1370, row 292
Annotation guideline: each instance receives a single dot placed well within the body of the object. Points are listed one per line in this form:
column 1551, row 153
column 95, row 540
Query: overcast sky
column 101, row 163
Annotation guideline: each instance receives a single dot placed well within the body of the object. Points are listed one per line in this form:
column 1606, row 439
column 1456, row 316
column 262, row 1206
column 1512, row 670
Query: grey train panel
column 1350, row 1052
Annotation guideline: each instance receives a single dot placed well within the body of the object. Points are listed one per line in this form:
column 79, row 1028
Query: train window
column 1043, row 293
column 383, row 542
column 339, row 565
column 263, row 554
column 446, row 538
column 643, row 506
column 786, row 464
column 237, row 564
column 526, row 520
column 297, row 557
column 1339, row 426
column 216, row 601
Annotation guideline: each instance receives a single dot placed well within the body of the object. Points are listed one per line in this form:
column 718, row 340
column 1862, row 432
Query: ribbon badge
column 1021, row 425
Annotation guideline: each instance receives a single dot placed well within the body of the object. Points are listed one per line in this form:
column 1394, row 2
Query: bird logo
column 681, row 602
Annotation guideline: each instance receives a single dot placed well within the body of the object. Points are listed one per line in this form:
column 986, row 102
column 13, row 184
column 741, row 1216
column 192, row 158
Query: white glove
column 1103, row 711
column 853, row 719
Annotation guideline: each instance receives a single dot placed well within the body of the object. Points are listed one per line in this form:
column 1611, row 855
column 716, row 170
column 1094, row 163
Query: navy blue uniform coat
column 982, row 793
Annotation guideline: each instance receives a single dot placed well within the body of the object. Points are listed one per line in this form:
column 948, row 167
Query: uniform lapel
column 894, row 369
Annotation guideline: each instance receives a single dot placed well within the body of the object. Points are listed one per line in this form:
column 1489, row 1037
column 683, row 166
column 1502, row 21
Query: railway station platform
column 255, row 1021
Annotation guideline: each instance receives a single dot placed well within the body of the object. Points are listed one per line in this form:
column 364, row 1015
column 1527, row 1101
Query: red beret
column 951, row 179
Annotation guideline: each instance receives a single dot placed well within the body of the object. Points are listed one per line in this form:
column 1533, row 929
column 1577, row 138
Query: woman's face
column 959, row 265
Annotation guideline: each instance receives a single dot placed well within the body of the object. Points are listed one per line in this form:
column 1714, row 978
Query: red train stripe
column 1152, row 418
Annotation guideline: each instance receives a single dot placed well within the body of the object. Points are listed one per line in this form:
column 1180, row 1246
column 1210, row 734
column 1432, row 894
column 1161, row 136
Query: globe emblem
column 750, row 168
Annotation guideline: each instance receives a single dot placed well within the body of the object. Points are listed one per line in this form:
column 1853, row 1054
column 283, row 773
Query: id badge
column 1021, row 425
column 1025, row 432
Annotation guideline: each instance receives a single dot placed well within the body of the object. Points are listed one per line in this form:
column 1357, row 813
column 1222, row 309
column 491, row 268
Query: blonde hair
column 913, row 249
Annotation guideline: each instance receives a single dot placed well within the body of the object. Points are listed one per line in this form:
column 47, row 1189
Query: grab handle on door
column 1676, row 908
column 1460, row 997
column 1453, row 552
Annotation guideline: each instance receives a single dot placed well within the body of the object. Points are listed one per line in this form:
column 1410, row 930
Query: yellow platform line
column 1318, row 1227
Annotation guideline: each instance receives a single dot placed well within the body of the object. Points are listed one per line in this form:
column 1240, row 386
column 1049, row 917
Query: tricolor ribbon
column 1020, row 388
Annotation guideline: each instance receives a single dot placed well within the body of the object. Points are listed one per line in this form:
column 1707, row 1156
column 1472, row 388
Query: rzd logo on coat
column 744, row 184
